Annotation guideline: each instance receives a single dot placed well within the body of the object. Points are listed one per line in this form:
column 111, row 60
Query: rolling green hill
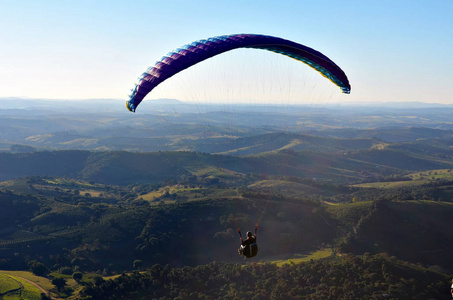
column 65, row 231
column 340, row 160
column 286, row 141
column 54, row 221
column 125, row 168
column 394, row 134
column 411, row 230
column 58, row 221
column 347, row 277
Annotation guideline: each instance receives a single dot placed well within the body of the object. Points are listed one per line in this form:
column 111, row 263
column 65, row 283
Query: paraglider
column 249, row 247
column 193, row 53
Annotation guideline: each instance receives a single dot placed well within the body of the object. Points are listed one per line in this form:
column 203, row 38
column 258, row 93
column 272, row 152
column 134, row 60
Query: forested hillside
column 349, row 277
column 90, row 226
column 123, row 168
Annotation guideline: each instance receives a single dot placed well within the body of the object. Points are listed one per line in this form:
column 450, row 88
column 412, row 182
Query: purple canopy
column 193, row 53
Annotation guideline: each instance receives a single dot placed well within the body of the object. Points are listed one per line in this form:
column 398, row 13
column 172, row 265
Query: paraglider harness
column 250, row 249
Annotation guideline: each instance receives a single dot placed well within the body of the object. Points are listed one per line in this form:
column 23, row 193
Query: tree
column 45, row 297
column 59, row 282
column 65, row 270
column 98, row 280
column 37, row 268
column 77, row 276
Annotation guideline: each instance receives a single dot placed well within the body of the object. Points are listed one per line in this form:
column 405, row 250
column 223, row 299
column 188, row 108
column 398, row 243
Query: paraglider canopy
column 193, row 53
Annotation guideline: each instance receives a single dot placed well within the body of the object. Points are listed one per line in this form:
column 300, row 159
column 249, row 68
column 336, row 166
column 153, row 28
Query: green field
column 284, row 187
column 169, row 190
column 391, row 184
column 446, row 174
column 323, row 253
column 18, row 288
column 183, row 192
column 29, row 291
column 16, row 282
column 11, row 280
column 418, row 178
column 7, row 284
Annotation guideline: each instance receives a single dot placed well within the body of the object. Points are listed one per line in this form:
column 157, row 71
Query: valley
column 325, row 199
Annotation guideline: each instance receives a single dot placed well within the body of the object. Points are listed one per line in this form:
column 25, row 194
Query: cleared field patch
column 91, row 276
column 224, row 175
column 93, row 193
column 59, row 186
column 445, row 174
column 330, row 203
column 300, row 258
column 7, row 183
column 417, row 178
column 69, row 182
column 43, row 282
column 391, row 184
column 284, row 187
column 292, row 144
column 170, row 194
column 83, row 192
column 168, row 190
column 7, row 284
column 26, row 291
column 72, row 284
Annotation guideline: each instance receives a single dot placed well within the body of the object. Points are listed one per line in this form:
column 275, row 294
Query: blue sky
column 390, row 50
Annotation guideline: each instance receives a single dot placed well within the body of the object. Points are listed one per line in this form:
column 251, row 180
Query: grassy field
column 323, row 253
column 69, row 182
column 170, row 190
column 83, row 186
column 418, row 178
column 9, row 281
column 16, row 287
column 56, row 185
column 391, row 184
column 43, row 282
column 7, row 284
column 446, row 174
column 29, row 291
column 188, row 193
column 284, row 187
column 74, row 285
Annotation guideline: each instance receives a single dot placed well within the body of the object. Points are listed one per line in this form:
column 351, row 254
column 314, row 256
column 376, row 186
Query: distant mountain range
column 24, row 103
column 168, row 124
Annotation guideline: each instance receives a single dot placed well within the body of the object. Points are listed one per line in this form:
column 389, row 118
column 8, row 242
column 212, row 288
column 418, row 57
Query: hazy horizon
column 391, row 51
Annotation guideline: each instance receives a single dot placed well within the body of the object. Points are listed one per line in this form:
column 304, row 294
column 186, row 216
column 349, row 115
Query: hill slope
column 130, row 167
